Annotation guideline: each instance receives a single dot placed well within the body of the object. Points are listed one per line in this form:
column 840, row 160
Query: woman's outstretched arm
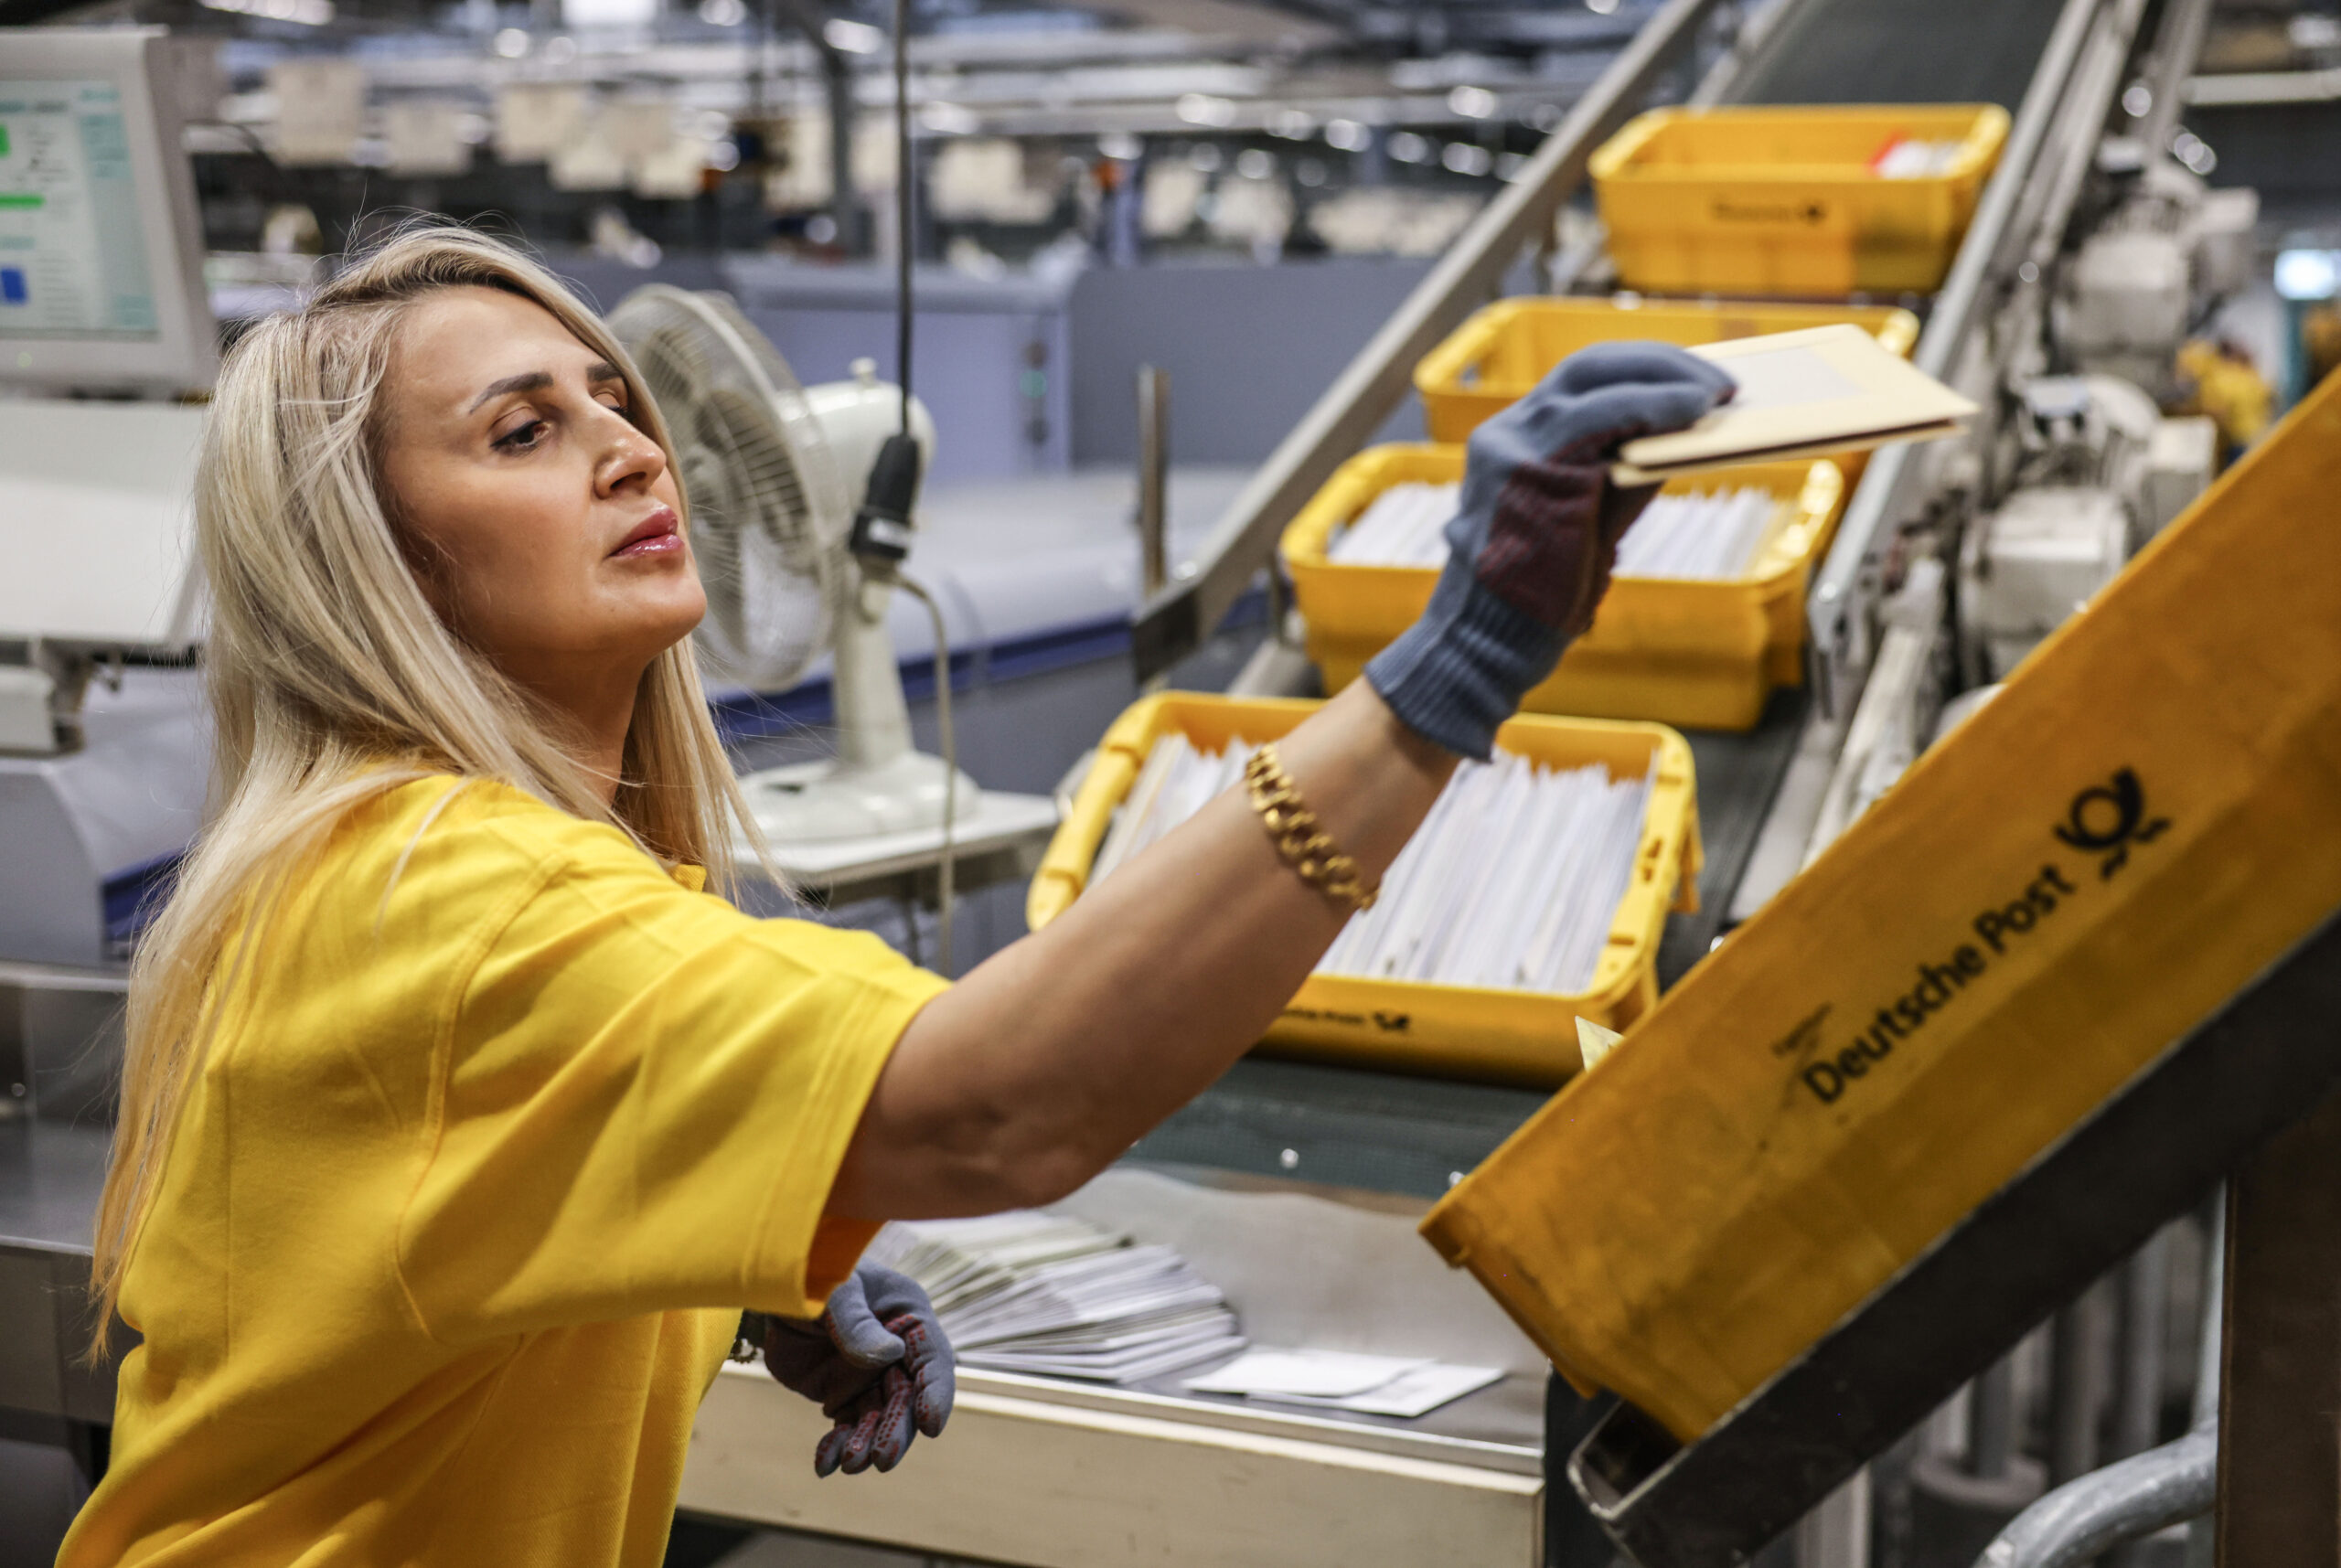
column 1050, row 1059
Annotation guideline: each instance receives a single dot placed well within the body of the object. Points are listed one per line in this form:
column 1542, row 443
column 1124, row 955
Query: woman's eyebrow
column 532, row 381
column 599, row 371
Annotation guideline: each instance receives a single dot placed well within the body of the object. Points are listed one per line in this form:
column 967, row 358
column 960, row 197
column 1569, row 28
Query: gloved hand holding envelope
column 1801, row 394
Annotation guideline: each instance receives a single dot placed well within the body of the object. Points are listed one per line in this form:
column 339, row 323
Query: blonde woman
column 461, row 1120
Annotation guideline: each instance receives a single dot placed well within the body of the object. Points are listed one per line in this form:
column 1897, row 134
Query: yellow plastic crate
column 1454, row 1031
column 1783, row 201
column 1497, row 357
column 1704, row 654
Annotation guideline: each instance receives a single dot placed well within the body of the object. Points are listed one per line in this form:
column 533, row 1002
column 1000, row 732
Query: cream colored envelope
column 1802, row 394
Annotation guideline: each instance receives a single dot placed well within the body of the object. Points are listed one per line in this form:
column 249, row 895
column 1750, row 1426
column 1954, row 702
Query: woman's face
column 545, row 527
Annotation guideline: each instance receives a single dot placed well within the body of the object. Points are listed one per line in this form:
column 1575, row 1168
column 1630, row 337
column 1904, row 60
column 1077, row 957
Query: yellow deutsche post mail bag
column 2147, row 815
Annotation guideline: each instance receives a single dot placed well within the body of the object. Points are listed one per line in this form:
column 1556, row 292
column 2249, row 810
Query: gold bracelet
column 1305, row 847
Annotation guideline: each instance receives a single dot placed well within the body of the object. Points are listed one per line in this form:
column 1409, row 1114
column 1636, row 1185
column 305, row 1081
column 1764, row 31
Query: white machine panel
column 95, row 523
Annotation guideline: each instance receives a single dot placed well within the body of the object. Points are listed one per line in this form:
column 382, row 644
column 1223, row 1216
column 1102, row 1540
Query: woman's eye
column 522, row 437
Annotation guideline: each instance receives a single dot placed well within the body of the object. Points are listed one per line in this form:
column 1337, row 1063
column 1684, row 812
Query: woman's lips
column 658, row 534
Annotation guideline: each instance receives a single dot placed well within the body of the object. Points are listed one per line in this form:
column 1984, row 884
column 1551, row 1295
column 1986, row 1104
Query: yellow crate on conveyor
column 1455, row 1031
column 1496, row 356
column 1702, row 653
column 2143, row 820
column 1815, row 201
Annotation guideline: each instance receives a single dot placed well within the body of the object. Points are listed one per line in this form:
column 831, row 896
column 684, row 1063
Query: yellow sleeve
column 641, row 1102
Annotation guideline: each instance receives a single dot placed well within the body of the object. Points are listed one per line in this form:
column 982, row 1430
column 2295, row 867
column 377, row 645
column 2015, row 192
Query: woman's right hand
column 1530, row 551
column 877, row 1363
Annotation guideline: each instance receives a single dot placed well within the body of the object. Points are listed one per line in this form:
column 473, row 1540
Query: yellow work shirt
column 469, row 1192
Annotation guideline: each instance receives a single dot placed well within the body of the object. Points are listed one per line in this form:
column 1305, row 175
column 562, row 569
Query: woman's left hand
column 877, row 1363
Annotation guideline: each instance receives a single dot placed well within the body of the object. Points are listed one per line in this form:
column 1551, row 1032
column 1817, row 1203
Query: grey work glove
column 1531, row 550
column 876, row 1362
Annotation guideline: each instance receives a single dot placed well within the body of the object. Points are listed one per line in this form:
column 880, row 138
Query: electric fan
column 770, row 469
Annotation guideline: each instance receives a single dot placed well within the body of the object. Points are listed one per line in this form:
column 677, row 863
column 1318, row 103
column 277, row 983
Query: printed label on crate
column 1749, row 209
column 2105, row 822
column 1379, row 1020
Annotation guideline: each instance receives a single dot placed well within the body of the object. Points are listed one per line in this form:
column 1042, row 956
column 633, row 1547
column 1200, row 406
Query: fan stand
column 877, row 783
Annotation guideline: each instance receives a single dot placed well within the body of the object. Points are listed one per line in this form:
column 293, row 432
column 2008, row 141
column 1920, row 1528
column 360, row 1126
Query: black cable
column 903, row 204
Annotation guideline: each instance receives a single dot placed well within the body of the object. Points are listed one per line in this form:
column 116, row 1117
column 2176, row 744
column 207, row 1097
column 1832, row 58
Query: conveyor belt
column 1900, row 52
column 1737, row 777
column 1341, row 1127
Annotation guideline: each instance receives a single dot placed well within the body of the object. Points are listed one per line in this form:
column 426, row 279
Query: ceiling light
column 511, row 43
column 308, row 13
column 1348, row 135
column 1463, row 158
column 608, row 13
column 949, row 120
column 2311, row 31
column 722, row 13
column 1254, row 163
column 1601, row 7
column 1292, row 124
column 1471, row 102
column 851, row 38
column 2307, row 275
column 1203, row 109
column 1409, row 148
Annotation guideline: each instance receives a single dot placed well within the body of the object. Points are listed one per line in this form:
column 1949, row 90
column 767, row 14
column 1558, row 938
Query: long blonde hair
column 332, row 681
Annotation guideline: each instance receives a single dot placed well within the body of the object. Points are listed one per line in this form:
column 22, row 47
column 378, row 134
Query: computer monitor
column 100, row 248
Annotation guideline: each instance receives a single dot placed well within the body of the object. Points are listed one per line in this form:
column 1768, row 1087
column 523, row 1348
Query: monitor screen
column 71, row 261
column 100, row 255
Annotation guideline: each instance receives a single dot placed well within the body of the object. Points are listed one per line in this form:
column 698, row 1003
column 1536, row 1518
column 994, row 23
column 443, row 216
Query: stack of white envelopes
column 1027, row 1292
column 1710, row 535
column 1403, row 1386
column 1511, row 883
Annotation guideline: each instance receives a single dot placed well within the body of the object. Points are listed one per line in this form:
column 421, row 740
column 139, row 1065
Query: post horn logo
column 2107, row 818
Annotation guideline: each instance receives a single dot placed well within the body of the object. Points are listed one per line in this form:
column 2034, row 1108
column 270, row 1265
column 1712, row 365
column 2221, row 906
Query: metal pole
column 2177, row 46
column 2145, row 1320
column 2080, row 1347
column 1836, row 1534
column 1175, row 621
column 1153, row 477
column 836, row 92
column 1991, row 1420
column 2280, row 1386
column 845, row 206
